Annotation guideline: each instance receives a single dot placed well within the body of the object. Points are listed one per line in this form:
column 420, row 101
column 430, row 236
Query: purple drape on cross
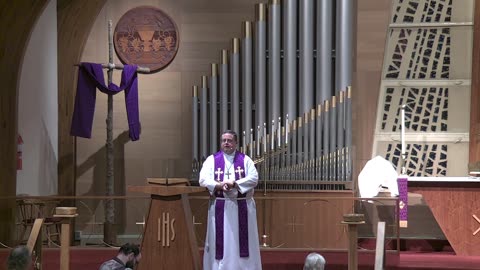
column 238, row 163
column 90, row 77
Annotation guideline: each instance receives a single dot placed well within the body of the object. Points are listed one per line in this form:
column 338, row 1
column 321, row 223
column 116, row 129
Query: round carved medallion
column 146, row 36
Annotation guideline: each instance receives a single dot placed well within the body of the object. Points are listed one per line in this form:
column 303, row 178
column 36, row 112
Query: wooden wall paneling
column 17, row 19
column 297, row 223
column 264, row 219
column 75, row 19
column 474, row 150
column 453, row 205
column 205, row 27
column 291, row 223
column 372, row 24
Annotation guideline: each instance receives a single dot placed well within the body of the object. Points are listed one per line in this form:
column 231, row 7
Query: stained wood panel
column 453, row 205
column 371, row 32
column 292, row 223
column 297, row 223
column 169, row 243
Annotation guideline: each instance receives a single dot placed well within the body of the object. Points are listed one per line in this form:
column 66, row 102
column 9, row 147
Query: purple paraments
column 90, row 77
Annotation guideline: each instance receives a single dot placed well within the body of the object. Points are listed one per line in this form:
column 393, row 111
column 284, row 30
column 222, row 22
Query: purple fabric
column 238, row 163
column 219, row 208
column 219, row 211
column 90, row 77
column 239, row 167
column 403, row 197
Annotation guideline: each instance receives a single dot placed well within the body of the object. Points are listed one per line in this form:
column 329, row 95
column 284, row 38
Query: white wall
column 38, row 108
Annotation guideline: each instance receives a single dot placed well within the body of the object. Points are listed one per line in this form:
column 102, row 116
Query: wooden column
column 474, row 149
column 352, row 245
column 67, row 214
column 17, row 19
column 352, row 221
column 65, row 245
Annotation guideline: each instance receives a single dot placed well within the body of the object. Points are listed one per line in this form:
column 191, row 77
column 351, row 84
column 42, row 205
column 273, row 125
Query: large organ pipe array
column 291, row 106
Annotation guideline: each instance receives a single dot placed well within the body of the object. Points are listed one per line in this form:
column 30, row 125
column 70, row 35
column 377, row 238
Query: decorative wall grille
column 427, row 68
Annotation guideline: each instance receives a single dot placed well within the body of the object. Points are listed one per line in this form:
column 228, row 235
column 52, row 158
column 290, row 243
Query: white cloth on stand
column 377, row 172
column 231, row 254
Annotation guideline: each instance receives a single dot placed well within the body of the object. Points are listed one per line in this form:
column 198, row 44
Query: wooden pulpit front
column 169, row 240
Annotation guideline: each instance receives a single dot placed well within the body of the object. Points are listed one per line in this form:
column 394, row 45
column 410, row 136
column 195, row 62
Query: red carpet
column 91, row 258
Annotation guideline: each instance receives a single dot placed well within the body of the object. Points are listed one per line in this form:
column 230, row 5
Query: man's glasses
column 228, row 141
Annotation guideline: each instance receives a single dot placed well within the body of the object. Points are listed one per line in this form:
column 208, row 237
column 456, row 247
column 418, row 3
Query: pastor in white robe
column 231, row 254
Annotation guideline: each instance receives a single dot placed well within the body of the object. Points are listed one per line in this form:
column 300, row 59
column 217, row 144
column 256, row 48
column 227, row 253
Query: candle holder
column 264, row 241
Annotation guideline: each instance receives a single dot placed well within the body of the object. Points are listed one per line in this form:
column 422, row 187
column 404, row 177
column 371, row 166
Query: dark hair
column 129, row 248
column 228, row 131
column 19, row 258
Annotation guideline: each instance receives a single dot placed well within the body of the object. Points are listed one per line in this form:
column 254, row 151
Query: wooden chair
column 31, row 209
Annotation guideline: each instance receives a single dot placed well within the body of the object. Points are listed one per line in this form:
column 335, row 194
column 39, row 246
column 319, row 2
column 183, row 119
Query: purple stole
column 239, row 166
column 90, row 77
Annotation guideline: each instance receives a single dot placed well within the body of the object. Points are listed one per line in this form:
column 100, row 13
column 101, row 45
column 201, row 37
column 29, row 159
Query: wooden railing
column 34, row 243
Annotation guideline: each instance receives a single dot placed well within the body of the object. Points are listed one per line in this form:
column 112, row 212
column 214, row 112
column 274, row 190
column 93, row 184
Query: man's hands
column 226, row 185
column 218, row 185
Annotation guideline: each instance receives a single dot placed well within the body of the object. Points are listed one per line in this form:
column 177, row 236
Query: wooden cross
column 239, row 170
column 293, row 224
column 478, row 220
column 141, row 223
column 195, row 223
column 228, row 174
column 218, row 172
column 110, row 180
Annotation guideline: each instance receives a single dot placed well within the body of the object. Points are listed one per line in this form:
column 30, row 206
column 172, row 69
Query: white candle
column 258, row 141
column 402, row 133
column 279, row 132
column 264, row 137
column 286, row 130
column 244, row 143
column 251, row 142
column 272, row 136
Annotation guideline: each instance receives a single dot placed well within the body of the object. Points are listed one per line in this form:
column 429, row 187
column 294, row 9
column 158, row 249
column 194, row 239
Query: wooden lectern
column 169, row 240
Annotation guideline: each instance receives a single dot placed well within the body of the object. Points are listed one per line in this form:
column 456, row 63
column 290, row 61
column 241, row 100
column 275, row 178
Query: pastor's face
column 229, row 144
column 133, row 261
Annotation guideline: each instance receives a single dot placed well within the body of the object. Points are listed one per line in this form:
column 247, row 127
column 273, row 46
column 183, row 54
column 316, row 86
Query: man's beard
column 130, row 264
column 228, row 151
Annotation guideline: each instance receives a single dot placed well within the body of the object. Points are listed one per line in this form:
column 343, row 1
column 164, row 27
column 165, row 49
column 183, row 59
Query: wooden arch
column 75, row 19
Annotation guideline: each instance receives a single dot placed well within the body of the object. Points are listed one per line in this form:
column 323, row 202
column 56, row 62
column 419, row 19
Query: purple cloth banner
column 90, row 77
column 403, row 200
column 239, row 168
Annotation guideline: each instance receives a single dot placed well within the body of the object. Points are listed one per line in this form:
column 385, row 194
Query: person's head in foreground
column 19, row 259
column 314, row 261
column 129, row 254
